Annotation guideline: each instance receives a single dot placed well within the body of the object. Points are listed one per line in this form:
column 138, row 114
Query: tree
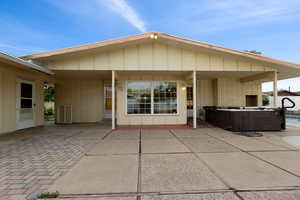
column 49, row 94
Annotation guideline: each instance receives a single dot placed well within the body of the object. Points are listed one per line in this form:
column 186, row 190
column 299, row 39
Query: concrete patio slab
column 293, row 140
column 271, row 195
column 156, row 134
column 190, row 133
column 242, row 171
column 213, row 130
column 100, row 174
column 208, row 196
column 99, row 198
column 115, row 147
column 219, row 133
column 252, row 144
column 208, row 145
column 163, row 146
column 124, row 135
column 176, row 173
column 288, row 160
column 288, row 132
column 279, row 141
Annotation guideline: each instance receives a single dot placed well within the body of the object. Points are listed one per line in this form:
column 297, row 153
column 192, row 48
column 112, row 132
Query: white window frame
column 152, row 98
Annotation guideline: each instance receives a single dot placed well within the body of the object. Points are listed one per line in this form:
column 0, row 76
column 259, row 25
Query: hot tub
column 244, row 119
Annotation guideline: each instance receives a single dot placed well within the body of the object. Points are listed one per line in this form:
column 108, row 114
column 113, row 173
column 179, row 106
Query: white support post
column 113, row 118
column 275, row 90
column 194, row 99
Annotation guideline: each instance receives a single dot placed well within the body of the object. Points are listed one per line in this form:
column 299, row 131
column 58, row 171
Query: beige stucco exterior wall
column 154, row 56
column 85, row 96
column 163, row 119
column 8, row 81
column 226, row 92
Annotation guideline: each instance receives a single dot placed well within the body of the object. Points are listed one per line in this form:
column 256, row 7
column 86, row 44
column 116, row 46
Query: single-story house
column 147, row 79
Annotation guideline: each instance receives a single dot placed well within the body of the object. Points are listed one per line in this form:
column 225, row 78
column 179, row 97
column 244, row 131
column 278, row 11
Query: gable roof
column 158, row 35
column 6, row 58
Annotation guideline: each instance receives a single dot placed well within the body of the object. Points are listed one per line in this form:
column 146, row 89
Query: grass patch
column 48, row 195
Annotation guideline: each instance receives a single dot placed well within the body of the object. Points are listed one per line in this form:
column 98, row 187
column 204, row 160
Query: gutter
column 25, row 63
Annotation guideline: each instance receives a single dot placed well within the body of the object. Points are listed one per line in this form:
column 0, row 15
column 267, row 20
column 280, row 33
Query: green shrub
column 48, row 195
column 48, row 113
column 265, row 100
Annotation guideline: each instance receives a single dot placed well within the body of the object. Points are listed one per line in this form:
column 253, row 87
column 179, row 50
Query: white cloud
column 96, row 10
column 122, row 8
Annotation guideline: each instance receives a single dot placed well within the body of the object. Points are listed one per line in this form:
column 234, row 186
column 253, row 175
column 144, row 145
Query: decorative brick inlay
column 32, row 159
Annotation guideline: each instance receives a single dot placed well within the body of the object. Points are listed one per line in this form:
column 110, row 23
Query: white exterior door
column 25, row 104
column 107, row 101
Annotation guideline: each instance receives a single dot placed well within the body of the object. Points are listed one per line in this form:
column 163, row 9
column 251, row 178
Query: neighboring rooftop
column 283, row 93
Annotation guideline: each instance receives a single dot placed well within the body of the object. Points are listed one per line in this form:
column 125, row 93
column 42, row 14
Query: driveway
column 91, row 162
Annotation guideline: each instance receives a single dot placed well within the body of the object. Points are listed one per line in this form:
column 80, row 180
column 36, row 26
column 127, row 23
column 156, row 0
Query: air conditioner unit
column 64, row 114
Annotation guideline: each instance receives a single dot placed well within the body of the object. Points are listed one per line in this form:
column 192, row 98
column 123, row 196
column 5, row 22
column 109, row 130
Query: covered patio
column 102, row 95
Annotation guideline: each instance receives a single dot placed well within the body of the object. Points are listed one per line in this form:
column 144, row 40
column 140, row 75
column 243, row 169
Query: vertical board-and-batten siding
column 152, row 56
column 8, row 95
column 205, row 93
column 85, row 96
column 226, row 92
column 231, row 92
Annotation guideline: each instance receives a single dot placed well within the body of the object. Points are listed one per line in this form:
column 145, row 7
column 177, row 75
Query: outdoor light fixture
column 183, row 88
column 153, row 36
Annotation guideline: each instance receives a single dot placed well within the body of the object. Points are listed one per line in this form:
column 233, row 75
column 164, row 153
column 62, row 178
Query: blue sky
column 269, row 26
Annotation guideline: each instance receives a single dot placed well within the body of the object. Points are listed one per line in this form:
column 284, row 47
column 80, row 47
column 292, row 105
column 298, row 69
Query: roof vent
column 253, row 52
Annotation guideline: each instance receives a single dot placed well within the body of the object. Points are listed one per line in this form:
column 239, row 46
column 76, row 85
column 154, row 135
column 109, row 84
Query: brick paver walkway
column 32, row 159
